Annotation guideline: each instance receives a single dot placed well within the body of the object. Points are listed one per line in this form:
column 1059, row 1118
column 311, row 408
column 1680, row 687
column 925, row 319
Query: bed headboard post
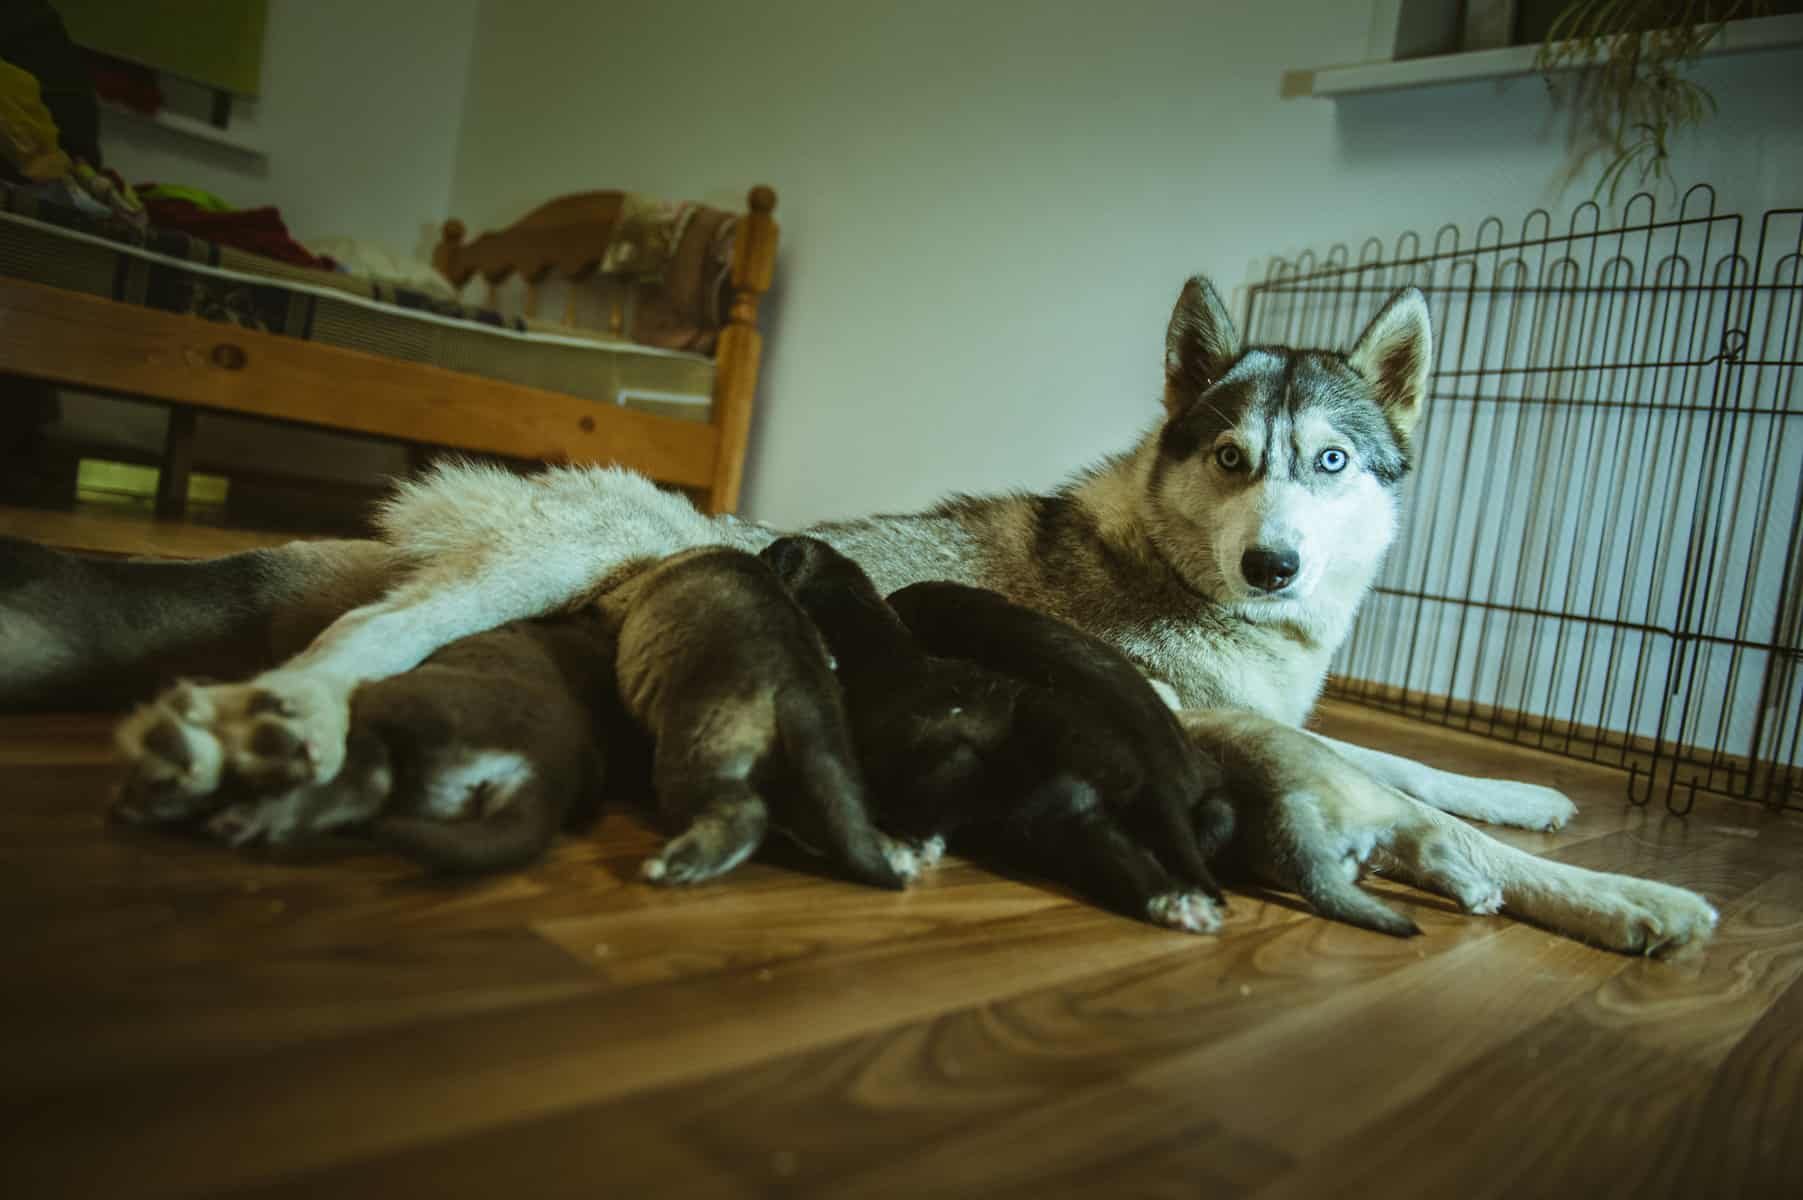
column 444, row 255
column 741, row 346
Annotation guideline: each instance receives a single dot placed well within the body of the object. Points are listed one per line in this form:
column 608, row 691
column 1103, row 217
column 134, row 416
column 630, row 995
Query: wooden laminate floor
column 184, row 1021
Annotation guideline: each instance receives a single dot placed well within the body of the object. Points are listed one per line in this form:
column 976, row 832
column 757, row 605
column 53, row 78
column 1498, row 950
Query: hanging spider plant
column 1631, row 94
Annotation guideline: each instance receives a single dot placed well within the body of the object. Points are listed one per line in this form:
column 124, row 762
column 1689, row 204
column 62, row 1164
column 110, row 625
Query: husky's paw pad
column 175, row 764
column 284, row 731
column 1189, row 911
column 184, row 747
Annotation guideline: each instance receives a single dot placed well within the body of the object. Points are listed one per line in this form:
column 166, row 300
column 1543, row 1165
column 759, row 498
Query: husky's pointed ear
column 1395, row 354
column 1198, row 346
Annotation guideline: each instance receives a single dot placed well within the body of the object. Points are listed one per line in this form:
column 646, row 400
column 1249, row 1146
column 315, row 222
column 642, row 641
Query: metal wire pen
column 1600, row 553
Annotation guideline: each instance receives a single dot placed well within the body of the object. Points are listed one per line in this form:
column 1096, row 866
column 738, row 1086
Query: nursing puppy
column 731, row 680
column 1173, row 794
column 471, row 762
column 1038, row 745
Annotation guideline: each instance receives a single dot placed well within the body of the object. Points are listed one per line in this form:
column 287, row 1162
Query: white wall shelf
column 190, row 127
column 1736, row 37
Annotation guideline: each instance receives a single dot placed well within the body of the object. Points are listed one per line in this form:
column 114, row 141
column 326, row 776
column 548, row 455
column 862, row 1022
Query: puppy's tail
column 514, row 827
column 833, row 795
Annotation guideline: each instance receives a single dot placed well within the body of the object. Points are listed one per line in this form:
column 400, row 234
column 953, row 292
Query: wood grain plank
column 188, row 1020
column 1598, row 1094
column 491, row 1068
column 84, row 341
column 124, row 534
column 995, row 1073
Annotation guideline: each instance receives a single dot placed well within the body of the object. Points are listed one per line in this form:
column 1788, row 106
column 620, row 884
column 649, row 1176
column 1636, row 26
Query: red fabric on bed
column 258, row 230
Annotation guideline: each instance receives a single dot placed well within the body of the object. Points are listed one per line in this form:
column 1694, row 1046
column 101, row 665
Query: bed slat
column 84, row 341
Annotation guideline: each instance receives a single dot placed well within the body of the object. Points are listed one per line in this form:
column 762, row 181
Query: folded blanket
column 258, row 230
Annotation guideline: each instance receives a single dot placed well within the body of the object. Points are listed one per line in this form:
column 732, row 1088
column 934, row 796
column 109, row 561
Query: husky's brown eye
column 1229, row 457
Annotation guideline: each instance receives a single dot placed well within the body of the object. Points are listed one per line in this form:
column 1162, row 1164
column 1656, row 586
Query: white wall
column 359, row 116
column 989, row 207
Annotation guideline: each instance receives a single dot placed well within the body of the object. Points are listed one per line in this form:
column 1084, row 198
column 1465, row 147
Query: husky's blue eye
column 1229, row 457
column 1332, row 460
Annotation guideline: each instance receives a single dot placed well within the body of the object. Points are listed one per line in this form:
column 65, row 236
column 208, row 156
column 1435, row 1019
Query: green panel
column 218, row 43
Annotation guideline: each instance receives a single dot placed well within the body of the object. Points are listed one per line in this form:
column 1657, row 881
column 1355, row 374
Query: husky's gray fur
column 1226, row 553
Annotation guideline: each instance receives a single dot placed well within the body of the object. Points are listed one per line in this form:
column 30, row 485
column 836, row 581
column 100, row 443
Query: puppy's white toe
column 1189, row 911
column 910, row 859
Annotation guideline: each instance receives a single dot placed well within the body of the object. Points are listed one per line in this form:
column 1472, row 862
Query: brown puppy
column 731, row 680
column 472, row 761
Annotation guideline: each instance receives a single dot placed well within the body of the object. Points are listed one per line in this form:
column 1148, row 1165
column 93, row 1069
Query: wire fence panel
column 1600, row 549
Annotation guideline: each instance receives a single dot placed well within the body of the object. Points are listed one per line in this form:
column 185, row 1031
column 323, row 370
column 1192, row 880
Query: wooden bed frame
column 81, row 341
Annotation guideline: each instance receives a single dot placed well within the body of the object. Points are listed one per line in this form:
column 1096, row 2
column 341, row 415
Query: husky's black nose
column 1270, row 570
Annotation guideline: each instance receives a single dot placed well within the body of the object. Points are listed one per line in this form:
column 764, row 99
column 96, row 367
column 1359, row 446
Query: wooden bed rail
column 83, row 341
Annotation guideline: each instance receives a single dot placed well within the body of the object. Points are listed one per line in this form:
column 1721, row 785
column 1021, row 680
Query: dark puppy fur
column 471, row 762
column 1168, row 791
column 1010, row 754
column 731, row 680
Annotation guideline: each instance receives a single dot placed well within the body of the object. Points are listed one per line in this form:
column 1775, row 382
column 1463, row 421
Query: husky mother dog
column 1225, row 554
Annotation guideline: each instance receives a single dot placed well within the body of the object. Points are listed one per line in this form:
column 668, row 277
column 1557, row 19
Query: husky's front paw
column 1523, row 805
column 1639, row 916
column 1189, row 911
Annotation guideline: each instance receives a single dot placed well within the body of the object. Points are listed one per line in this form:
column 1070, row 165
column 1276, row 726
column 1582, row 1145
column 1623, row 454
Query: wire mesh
column 1600, row 551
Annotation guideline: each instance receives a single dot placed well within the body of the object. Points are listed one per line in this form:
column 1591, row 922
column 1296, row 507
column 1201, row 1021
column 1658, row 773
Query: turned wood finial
column 444, row 255
column 755, row 255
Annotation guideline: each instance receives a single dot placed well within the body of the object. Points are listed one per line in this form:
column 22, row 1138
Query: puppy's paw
column 236, row 824
column 911, row 859
column 1189, row 911
column 704, row 852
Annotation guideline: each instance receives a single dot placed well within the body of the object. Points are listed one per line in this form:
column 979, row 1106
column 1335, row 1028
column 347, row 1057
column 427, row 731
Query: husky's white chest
column 1253, row 669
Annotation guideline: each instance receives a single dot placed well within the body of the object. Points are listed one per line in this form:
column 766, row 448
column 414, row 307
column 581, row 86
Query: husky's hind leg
column 92, row 634
column 1496, row 801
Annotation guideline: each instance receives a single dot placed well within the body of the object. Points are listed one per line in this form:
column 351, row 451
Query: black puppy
column 1036, row 742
